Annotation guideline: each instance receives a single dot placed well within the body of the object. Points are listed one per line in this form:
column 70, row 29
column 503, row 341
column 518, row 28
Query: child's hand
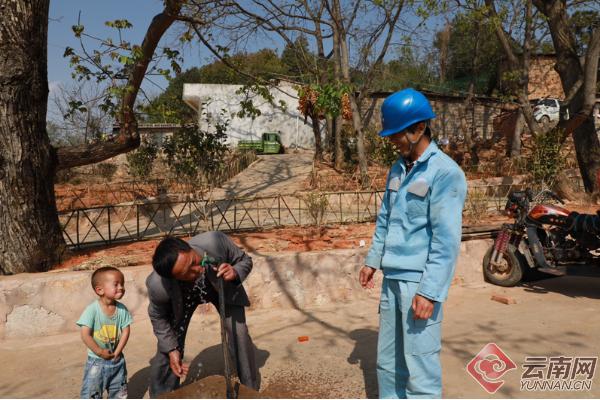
column 116, row 356
column 106, row 354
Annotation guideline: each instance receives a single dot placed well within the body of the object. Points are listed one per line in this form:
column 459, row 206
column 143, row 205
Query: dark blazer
column 165, row 306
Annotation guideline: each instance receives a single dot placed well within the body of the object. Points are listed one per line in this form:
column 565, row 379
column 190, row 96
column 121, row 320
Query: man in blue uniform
column 415, row 244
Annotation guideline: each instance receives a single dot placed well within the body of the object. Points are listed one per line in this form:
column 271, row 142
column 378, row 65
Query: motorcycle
column 542, row 237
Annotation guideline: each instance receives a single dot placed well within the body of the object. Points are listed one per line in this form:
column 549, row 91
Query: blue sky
column 64, row 14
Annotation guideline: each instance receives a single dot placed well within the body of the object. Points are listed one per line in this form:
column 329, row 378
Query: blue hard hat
column 403, row 109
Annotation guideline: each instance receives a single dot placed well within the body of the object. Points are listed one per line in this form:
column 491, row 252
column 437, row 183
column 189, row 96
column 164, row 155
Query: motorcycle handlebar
column 553, row 195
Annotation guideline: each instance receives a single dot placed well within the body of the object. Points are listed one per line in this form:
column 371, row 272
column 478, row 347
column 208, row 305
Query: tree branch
column 128, row 139
column 588, row 88
column 502, row 36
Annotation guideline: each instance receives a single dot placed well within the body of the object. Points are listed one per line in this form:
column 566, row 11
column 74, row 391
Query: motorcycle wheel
column 512, row 271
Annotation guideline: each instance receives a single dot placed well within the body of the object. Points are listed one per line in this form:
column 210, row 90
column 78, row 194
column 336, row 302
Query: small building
column 218, row 103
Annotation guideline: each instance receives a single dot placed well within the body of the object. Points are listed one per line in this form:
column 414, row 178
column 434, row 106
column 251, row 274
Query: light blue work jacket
column 418, row 230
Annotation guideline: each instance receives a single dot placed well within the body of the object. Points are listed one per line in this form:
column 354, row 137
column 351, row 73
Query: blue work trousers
column 408, row 350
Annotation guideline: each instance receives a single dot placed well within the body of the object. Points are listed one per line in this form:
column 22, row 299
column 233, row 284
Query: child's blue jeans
column 104, row 375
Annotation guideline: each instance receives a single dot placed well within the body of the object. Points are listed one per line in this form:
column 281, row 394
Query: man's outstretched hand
column 177, row 366
column 227, row 272
column 365, row 277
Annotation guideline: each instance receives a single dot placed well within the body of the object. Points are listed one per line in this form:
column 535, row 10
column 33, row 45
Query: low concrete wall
column 33, row 305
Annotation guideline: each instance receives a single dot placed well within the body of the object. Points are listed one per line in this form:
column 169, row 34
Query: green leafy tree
column 193, row 154
column 169, row 107
column 141, row 160
column 407, row 69
column 295, row 56
column 473, row 52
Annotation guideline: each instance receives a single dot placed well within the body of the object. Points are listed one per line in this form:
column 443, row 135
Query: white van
column 546, row 110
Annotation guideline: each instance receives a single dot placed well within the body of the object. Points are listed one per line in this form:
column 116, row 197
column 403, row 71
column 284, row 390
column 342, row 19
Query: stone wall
column 544, row 81
column 33, row 305
column 449, row 110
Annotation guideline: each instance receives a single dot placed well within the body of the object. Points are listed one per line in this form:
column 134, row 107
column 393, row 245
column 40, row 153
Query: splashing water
column 200, row 365
column 200, row 288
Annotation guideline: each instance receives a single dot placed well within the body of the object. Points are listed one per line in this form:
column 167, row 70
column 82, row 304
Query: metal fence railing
column 146, row 220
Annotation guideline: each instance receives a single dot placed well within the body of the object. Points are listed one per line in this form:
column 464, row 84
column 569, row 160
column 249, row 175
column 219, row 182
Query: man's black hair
column 427, row 132
column 166, row 254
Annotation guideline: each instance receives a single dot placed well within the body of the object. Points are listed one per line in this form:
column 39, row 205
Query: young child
column 105, row 330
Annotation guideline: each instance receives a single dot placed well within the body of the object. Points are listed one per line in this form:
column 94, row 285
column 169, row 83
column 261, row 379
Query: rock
column 31, row 321
column 106, row 261
column 503, row 299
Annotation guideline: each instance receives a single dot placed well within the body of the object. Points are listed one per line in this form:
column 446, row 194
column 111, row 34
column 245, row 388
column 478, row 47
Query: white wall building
column 220, row 102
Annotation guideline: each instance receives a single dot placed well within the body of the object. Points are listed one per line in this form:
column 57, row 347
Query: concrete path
column 551, row 318
column 271, row 175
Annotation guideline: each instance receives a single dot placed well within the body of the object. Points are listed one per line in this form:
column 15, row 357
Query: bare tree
column 372, row 58
column 336, row 30
column 578, row 75
column 519, row 63
column 237, row 22
column 77, row 114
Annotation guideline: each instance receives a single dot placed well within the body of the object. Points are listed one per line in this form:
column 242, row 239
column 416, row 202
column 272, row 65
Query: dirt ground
column 558, row 316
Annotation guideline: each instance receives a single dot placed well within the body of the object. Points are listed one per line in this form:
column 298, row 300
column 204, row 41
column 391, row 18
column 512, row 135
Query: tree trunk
column 356, row 119
column 31, row 236
column 330, row 137
column 337, row 122
column 515, row 141
column 317, row 133
column 587, row 148
column 32, row 239
column 519, row 63
column 360, row 143
column 339, row 152
column 467, row 106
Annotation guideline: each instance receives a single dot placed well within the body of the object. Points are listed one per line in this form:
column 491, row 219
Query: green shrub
column 380, row 149
column 105, row 170
column 65, row 175
column 141, row 161
column 192, row 153
column 546, row 160
column 316, row 204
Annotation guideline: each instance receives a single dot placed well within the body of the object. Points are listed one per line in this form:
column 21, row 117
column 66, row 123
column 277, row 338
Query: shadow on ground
column 580, row 281
column 207, row 363
column 365, row 355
